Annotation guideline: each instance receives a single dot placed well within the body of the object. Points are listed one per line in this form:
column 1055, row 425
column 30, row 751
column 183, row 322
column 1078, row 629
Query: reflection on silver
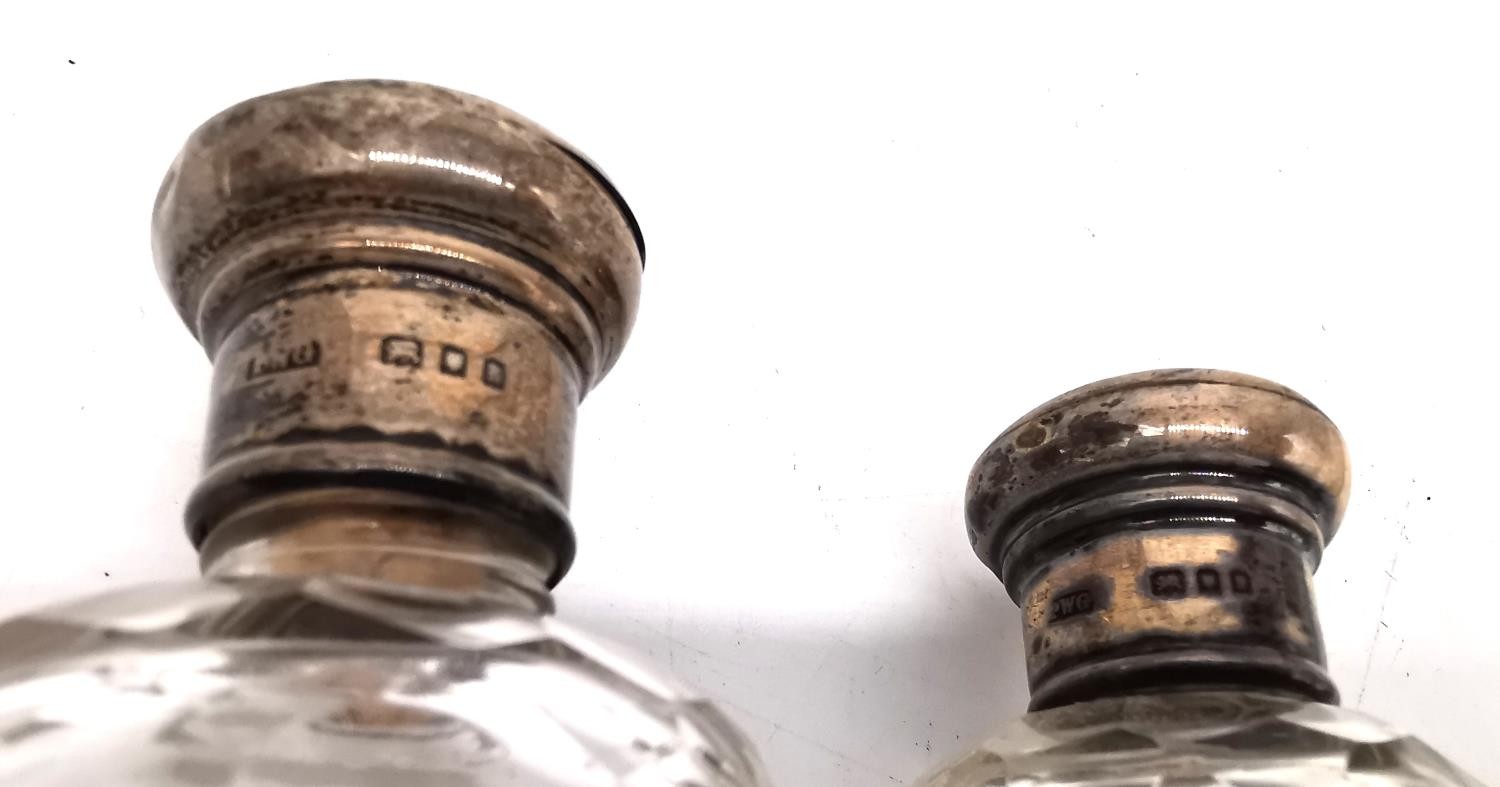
column 425, row 248
column 1207, row 498
column 1147, row 430
column 391, row 157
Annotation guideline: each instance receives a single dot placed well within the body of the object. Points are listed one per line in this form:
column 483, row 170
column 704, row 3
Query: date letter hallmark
column 493, row 374
column 303, row 356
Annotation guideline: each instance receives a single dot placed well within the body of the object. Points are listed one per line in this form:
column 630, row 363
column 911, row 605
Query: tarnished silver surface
column 1170, row 420
column 1162, row 528
column 401, row 286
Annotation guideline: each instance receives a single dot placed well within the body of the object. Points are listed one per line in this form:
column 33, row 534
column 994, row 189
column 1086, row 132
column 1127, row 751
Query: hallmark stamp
column 402, row 352
column 1182, row 582
column 454, row 361
column 493, row 374
column 303, row 356
column 1070, row 605
column 1168, row 583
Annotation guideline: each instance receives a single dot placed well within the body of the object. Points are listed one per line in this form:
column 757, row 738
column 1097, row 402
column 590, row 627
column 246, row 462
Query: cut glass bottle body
column 1200, row 738
column 326, row 681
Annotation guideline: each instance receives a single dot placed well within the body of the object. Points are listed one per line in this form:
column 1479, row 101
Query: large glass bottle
column 1159, row 531
column 405, row 291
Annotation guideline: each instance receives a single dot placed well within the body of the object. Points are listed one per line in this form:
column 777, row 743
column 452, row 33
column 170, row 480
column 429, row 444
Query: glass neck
column 396, row 543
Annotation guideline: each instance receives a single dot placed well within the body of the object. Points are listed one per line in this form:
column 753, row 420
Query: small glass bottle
column 1159, row 531
column 405, row 291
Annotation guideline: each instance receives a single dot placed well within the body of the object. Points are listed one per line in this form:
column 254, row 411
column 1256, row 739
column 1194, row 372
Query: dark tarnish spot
column 244, row 161
column 979, row 510
column 255, row 406
column 1046, row 458
column 1034, row 436
column 998, row 469
column 428, row 440
column 336, row 130
column 1096, row 429
column 1115, row 402
column 235, row 118
column 1262, row 614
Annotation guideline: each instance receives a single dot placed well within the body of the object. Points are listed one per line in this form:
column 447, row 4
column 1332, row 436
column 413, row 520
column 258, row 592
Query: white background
column 876, row 236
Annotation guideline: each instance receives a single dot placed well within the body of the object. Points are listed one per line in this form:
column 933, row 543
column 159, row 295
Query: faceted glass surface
column 1200, row 738
column 329, row 682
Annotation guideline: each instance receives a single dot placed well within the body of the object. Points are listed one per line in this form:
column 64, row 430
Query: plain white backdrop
column 876, row 235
